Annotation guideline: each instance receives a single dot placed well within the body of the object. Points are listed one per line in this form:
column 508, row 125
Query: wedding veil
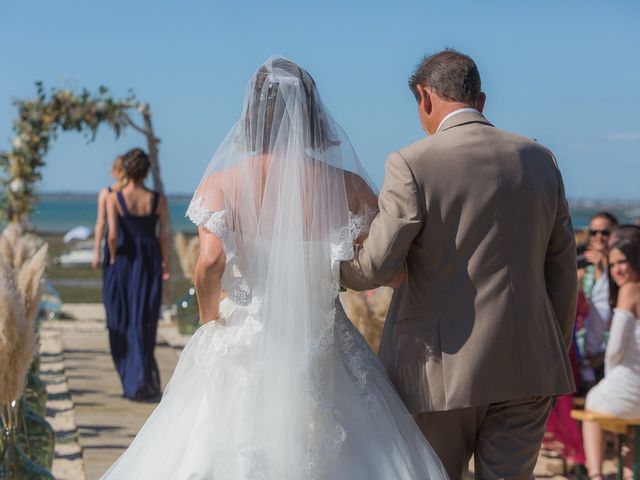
column 287, row 195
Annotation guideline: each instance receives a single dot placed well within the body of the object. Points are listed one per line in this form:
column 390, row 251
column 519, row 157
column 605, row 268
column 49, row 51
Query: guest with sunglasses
column 595, row 286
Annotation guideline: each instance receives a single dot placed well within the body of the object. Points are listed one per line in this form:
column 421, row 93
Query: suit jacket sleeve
column 560, row 266
column 393, row 230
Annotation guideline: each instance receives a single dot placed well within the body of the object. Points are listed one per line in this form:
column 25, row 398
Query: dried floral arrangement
column 22, row 267
column 187, row 251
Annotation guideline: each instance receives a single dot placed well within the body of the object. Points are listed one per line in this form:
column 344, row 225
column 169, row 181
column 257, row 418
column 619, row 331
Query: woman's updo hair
column 135, row 164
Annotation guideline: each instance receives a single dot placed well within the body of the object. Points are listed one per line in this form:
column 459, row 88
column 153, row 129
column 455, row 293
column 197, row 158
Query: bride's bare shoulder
column 227, row 176
column 359, row 190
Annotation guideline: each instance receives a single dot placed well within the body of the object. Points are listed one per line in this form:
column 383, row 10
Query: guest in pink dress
column 563, row 433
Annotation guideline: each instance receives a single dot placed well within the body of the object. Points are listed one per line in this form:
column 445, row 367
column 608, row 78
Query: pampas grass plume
column 12, row 232
column 21, row 275
column 30, row 282
column 23, row 250
column 16, row 247
column 187, row 253
column 6, row 250
column 17, row 338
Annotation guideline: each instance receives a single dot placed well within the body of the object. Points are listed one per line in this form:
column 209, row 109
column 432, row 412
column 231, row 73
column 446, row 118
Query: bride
column 277, row 384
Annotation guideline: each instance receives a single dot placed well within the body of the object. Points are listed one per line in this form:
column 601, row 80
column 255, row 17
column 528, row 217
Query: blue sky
column 566, row 73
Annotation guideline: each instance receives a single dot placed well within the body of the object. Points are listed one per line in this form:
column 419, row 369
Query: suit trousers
column 504, row 438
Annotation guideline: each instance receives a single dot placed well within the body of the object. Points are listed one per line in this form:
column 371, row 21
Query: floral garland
column 37, row 124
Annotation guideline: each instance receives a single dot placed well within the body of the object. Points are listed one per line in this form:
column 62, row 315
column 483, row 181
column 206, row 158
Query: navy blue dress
column 132, row 295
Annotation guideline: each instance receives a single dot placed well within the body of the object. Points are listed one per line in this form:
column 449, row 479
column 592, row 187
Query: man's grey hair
column 451, row 74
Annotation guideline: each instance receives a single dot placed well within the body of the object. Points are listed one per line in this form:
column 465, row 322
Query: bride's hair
column 263, row 115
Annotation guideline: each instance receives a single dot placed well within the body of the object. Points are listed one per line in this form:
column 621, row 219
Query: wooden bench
column 622, row 428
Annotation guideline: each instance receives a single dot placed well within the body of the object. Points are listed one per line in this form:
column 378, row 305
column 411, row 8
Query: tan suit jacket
column 480, row 219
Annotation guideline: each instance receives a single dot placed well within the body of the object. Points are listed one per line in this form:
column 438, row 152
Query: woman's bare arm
column 98, row 231
column 112, row 221
column 208, row 275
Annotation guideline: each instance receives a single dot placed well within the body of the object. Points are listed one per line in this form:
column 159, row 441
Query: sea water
column 61, row 213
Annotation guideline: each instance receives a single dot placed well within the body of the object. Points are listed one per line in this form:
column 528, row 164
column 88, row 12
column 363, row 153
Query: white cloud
column 624, row 137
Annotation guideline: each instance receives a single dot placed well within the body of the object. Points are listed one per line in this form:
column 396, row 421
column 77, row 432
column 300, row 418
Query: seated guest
column 563, row 435
column 618, row 393
column 595, row 285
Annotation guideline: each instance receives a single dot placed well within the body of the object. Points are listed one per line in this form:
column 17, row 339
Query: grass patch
column 91, row 290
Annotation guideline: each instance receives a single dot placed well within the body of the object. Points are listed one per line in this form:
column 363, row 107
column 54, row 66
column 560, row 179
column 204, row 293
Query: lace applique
column 197, row 212
column 328, row 453
column 233, row 281
column 342, row 245
column 216, row 340
column 355, row 352
column 215, row 222
column 342, row 241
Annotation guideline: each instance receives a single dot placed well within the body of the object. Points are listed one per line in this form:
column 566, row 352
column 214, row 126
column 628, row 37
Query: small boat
column 80, row 256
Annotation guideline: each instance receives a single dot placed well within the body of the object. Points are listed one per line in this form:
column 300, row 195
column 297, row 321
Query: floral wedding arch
column 38, row 122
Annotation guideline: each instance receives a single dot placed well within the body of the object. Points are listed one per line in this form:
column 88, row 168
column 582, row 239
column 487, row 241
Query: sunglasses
column 605, row 233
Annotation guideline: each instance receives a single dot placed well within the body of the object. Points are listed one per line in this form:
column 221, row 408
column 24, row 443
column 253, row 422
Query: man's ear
column 480, row 104
column 425, row 100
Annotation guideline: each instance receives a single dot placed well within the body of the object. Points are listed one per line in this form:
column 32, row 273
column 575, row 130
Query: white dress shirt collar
column 455, row 112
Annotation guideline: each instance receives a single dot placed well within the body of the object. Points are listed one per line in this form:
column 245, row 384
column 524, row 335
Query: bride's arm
column 208, row 275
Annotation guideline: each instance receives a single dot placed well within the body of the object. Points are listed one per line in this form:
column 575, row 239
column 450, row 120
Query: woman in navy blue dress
column 137, row 242
column 100, row 228
column 101, row 255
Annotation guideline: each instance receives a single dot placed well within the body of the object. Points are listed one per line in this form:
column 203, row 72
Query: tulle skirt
column 199, row 429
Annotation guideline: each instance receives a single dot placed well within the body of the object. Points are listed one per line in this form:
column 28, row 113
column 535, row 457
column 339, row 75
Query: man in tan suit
column 476, row 338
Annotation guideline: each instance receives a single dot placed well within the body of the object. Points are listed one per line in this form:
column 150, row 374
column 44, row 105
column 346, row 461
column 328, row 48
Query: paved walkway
column 106, row 422
column 60, row 413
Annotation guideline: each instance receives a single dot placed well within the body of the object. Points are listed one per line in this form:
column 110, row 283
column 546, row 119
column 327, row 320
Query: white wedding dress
column 282, row 386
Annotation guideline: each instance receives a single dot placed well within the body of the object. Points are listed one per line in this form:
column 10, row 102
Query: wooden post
column 152, row 142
